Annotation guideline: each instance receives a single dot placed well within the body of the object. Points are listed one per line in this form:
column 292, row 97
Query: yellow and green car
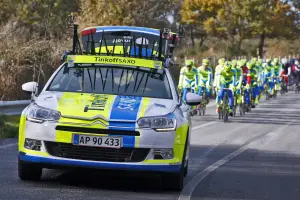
column 107, row 112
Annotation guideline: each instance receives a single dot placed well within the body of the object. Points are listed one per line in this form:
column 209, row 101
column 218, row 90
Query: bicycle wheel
column 225, row 107
column 204, row 102
column 235, row 106
column 275, row 94
column 199, row 109
column 241, row 109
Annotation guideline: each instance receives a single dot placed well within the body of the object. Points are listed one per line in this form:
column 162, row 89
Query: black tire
column 234, row 111
column 186, row 169
column 241, row 109
column 226, row 117
column 28, row 171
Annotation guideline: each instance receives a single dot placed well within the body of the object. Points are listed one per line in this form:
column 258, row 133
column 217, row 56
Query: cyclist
column 204, row 78
column 259, row 66
column 285, row 72
column 268, row 75
column 218, row 70
column 239, row 80
column 227, row 80
column 296, row 72
column 188, row 77
column 245, row 71
column 277, row 71
column 252, row 83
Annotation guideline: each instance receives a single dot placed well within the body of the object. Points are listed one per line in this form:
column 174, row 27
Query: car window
column 112, row 80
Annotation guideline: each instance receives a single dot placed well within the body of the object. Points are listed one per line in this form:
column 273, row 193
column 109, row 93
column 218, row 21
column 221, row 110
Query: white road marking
column 8, row 145
column 188, row 190
column 203, row 125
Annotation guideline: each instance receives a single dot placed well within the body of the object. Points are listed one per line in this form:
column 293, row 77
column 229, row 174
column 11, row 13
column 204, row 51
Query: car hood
column 87, row 106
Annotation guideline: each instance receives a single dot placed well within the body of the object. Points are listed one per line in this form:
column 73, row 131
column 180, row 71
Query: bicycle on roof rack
column 125, row 41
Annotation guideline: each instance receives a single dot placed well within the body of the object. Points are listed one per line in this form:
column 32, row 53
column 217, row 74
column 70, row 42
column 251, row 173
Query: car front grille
column 97, row 131
column 66, row 150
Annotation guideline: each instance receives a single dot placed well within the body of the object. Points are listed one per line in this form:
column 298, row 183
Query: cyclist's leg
column 255, row 94
column 271, row 86
column 247, row 95
column 219, row 98
column 184, row 92
column 230, row 101
column 238, row 96
column 207, row 92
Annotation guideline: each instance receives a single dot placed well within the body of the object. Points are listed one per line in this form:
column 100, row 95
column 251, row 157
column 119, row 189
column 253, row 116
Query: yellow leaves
column 242, row 17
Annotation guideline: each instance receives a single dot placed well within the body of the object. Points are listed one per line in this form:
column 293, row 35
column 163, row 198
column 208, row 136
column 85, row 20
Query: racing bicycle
column 283, row 85
column 224, row 110
column 202, row 107
column 267, row 88
column 242, row 106
column 276, row 86
column 234, row 103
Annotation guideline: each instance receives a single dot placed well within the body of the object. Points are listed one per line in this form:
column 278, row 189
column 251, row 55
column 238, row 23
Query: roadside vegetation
column 34, row 33
column 9, row 126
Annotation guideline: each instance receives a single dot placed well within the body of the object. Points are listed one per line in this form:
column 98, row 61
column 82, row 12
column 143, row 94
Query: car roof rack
column 154, row 44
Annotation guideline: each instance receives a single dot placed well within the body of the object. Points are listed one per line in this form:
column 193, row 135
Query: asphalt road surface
column 256, row 156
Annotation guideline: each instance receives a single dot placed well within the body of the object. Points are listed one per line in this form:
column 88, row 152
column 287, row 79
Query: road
column 252, row 157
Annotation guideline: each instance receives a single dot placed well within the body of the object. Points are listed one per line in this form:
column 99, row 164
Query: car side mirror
column 193, row 99
column 30, row 87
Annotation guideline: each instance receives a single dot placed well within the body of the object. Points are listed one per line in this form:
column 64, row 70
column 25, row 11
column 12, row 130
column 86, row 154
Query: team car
column 112, row 104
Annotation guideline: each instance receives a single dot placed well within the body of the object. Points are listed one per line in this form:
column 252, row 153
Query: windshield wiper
column 90, row 78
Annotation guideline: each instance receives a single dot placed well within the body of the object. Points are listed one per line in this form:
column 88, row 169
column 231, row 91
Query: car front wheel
column 28, row 171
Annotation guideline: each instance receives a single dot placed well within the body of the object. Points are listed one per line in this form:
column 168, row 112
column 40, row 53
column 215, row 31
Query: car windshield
column 112, row 80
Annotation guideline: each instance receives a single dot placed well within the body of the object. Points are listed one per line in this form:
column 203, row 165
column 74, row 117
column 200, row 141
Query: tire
column 241, row 109
column 186, row 169
column 28, row 171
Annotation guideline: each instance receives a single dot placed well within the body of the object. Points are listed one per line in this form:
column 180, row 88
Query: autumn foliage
column 34, row 33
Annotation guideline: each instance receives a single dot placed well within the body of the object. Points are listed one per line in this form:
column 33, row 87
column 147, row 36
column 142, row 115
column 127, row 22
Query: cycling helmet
column 205, row 62
column 233, row 63
column 296, row 62
column 259, row 62
column 276, row 60
column 284, row 61
column 249, row 65
column 221, row 61
column 189, row 63
column 254, row 59
column 240, row 63
column 227, row 66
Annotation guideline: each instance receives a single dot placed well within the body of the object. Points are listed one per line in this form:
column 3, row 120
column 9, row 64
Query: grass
column 9, row 126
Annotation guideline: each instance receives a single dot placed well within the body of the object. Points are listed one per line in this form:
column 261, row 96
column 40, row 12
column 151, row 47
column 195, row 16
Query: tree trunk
column 261, row 44
column 202, row 40
column 239, row 47
column 192, row 36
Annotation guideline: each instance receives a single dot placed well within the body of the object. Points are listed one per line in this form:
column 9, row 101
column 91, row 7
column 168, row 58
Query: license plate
column 97, row 141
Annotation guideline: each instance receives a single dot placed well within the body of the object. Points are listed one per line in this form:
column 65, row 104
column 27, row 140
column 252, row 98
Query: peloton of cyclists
column 255, row 77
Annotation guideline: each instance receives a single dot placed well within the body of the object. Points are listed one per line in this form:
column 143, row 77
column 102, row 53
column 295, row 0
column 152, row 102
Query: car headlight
column 39, row 114
column 158, row 123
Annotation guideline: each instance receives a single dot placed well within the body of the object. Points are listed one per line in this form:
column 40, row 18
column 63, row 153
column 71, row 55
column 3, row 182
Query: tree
column 276, row 21
column 45, row 17
column 150, row 13
column 236, row 20
column 194, row 13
